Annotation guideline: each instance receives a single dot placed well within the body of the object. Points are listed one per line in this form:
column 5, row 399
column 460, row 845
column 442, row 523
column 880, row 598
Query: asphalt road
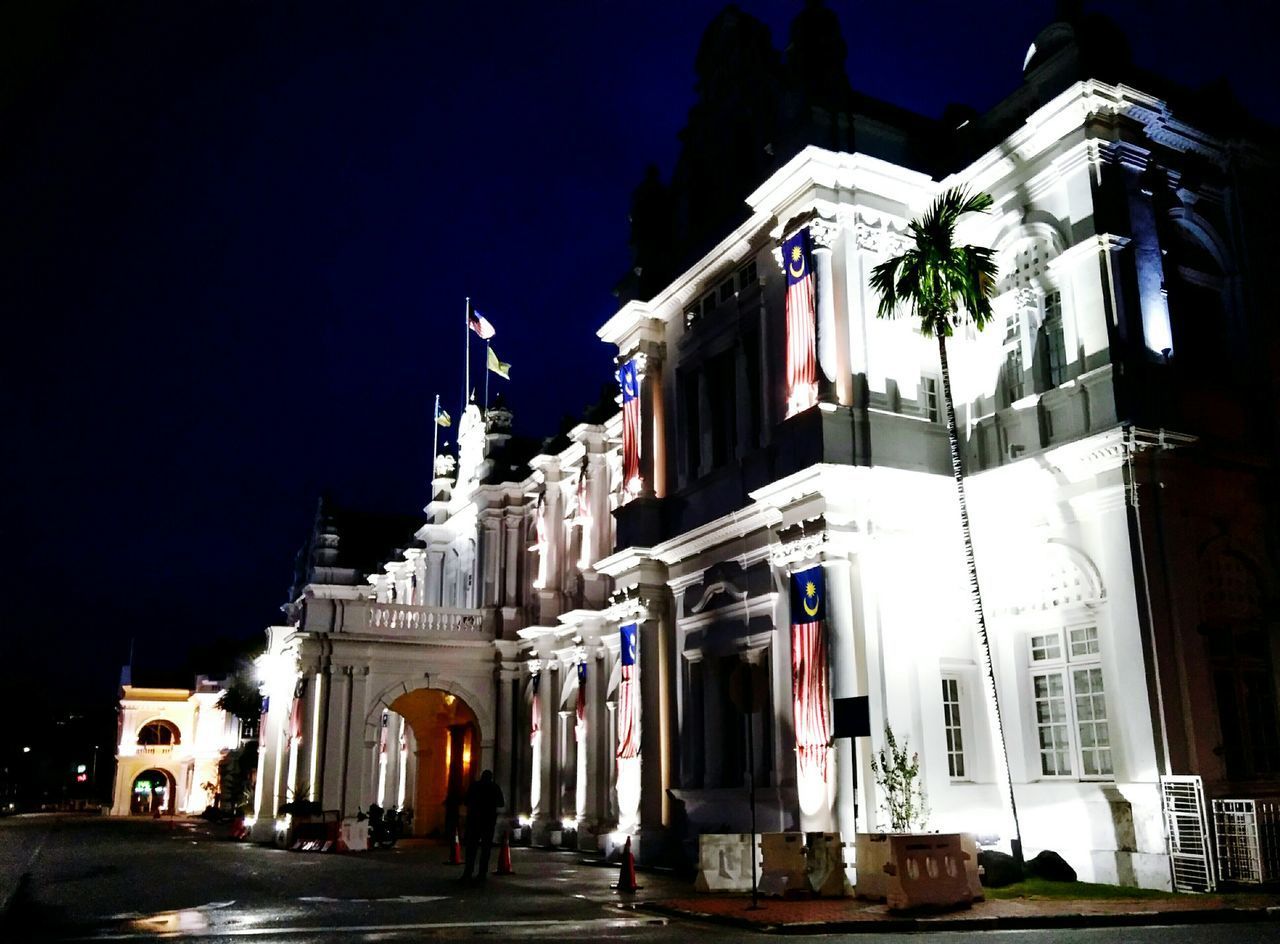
column 96, row 879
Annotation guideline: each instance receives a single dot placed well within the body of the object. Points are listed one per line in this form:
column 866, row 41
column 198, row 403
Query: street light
column 26, row 750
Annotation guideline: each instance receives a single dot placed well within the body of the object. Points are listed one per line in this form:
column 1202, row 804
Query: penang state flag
column 629, row 381
column 629, row 695
column 802, row 331
column 809, row 698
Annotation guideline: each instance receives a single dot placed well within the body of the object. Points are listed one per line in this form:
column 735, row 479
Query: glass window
column 931, row 409
column 952, row 725
column 1070, row 706
column 1044, row 648
column 1055, row 341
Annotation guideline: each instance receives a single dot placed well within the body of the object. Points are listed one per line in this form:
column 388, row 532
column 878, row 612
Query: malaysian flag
column 480, row 324
column 535, row 720
column 580, row 708
column 629, row 381
column 295, row 711
column 582, row 516
column 629, row 695
column 802, row 312
column 809, row 672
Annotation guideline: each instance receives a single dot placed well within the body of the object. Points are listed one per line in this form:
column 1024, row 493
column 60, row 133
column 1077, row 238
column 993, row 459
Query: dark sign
column 852, row 717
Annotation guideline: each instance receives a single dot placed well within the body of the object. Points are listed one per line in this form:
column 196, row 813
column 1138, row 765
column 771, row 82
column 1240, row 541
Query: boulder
column 1051, row 867
column 999, row 869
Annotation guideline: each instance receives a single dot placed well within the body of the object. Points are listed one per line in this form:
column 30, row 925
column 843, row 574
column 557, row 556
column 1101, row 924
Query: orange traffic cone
column 455, row 854
column 627, row 872
column 504, row 856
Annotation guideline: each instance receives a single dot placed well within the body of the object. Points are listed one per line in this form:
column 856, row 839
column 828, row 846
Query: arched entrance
column 153, row 790
column 442, row 756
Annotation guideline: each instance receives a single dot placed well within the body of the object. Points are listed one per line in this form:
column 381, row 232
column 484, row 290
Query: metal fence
column 1187, row 833
column 1248, row 840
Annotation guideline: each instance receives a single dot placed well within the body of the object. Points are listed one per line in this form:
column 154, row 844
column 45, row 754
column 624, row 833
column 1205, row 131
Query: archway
column 154, row 790
column 445, row 749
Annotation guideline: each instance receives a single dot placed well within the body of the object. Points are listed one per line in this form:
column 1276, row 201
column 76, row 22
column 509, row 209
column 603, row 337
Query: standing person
column 484, row 798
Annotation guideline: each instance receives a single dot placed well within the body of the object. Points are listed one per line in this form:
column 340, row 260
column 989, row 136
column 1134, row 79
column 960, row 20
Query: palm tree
column 946, row 286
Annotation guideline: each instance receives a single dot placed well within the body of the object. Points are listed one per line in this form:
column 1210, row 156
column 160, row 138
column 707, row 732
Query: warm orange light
column 448, row 751
column 466, row 753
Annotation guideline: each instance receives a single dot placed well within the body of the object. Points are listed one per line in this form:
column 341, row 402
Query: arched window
column 1034, row 346
column 1235, row 633
column 1197, row 297
column 159, row 734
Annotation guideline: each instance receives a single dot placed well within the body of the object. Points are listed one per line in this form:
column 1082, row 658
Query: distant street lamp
column 26, row 750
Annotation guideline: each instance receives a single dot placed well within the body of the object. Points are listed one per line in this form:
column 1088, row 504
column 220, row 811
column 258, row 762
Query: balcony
column 403, row 621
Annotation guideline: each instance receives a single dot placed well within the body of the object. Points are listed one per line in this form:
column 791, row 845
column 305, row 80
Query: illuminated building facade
column 1118, row 430
column 171, row 743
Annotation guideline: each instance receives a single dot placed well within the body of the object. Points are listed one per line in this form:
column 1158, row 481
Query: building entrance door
column 153, row 791
column 440, row 758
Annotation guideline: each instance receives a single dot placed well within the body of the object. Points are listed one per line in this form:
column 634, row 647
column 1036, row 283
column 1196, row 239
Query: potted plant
column 907, row 867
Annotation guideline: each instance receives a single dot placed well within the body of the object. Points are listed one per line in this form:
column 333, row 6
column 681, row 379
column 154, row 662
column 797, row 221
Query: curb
column 11, row 895
column 993, row 923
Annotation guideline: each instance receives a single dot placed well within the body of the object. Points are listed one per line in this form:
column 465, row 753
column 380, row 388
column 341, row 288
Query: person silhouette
column 484, row 799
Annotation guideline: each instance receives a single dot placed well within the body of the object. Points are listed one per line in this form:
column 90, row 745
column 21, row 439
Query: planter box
column 917, row 870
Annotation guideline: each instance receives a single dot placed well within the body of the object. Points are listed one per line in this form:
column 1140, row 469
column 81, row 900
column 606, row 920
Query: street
column 102, row 879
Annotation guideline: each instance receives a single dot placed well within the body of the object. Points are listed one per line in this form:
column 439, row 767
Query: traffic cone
column 455, row 854
column 504, row 856
column 627, row 872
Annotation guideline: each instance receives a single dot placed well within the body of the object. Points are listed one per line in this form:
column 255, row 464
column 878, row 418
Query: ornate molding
column 824, row 233
column 626, row 607
column 806, row 547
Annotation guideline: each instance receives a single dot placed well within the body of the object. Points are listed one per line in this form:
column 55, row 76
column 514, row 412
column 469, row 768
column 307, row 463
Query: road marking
column 407, row 899
column 540, row 923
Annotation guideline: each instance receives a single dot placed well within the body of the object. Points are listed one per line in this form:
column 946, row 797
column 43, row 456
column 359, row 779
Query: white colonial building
column 1117, row 494
column 171, row 743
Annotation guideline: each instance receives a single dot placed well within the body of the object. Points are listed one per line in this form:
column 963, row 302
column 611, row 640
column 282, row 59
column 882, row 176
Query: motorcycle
column 386, row 826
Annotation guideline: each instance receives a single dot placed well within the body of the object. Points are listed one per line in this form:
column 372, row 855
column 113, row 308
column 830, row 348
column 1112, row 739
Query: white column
column 842, row 662
column 824, row 235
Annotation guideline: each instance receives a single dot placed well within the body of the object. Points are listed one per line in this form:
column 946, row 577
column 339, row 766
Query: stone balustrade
column 397, row 619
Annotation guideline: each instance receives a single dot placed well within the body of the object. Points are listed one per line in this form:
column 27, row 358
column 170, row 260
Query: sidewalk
column 825, row 916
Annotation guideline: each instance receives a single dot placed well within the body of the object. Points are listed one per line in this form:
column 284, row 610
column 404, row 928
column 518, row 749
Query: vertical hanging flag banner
column 629, row 694
column 535, row 721
column 629, row 381
column 582, row 517
column 580, row 708
column 802, row 321
column 809, row 672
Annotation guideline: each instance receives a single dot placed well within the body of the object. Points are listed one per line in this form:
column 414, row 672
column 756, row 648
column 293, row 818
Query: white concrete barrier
column 724, row 862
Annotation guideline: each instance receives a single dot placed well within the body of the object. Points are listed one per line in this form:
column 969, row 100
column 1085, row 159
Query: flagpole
column 466, row 370
column 487, row 372
column 435, row 446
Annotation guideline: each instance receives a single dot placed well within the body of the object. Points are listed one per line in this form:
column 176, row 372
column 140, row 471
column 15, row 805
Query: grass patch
column 1077, row 891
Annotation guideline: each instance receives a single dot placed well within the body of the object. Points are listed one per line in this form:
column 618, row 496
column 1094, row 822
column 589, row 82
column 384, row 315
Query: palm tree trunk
column 975, row 596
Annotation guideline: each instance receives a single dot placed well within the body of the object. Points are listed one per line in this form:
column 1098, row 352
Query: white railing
column 397, row 619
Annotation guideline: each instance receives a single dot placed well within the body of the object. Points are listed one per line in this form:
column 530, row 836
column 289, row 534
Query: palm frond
column 934, row 279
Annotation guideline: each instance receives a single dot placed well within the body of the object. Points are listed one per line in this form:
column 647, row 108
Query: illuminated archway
column 439, row 757
column 154, row 790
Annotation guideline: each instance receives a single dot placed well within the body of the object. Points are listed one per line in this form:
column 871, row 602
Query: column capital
column 823, row 233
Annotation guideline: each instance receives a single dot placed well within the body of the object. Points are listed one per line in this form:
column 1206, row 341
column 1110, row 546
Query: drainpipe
column 1135, row 525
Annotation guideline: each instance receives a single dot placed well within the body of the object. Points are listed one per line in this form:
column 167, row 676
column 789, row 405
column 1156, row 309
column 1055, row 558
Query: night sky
column 235, row 241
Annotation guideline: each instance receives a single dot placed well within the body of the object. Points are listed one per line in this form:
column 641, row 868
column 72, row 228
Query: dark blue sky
column 236, row 239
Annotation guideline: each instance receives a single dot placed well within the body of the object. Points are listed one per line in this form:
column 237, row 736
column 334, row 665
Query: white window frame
column 931, row 388
column 1060, row 658
column 960, row 727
